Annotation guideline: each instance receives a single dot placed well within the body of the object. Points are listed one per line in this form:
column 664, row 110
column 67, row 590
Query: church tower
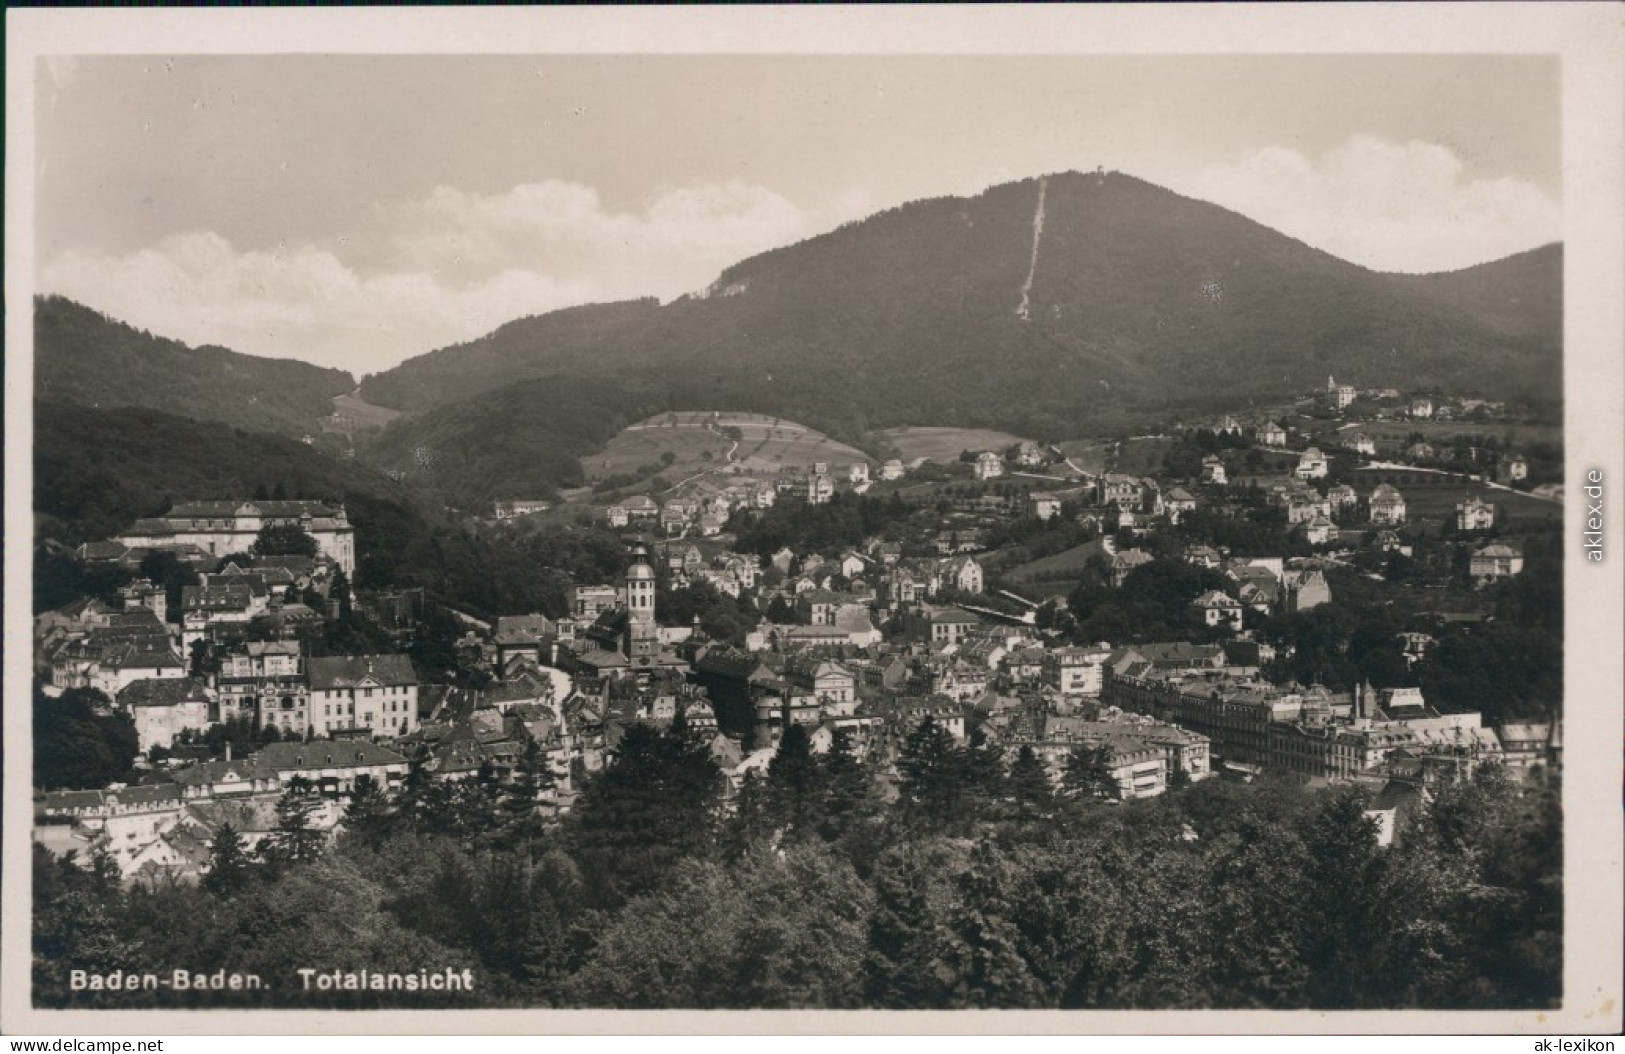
column 638, row 593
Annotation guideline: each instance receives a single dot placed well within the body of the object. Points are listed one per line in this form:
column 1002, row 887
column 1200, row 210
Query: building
column 891, row 469
column 1075, row 670
column 641, row 639
column 1421, row 407
column 857, row 473
column 1474, row 515
column 592, row 601
column 507, row 510
column 1387, row 506
column 1042, row 506
column 222, row 527
column 1213, row 470
column 820, row 488
column 963, row 573
column 163, row 709
column 989, row 465
column 1311, row 464
column 359, row 695
column 1513, row 469
column 1303, row 590
column 1493, row 563
column 1339, row 396
column 1361, row 443
column 1177, row 502
column 1319, row 531
column 1215, row 609
column 1272, row 434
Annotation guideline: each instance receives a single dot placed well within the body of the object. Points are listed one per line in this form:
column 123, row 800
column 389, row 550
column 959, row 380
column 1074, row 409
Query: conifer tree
column 1030, row 786
column 229, row 865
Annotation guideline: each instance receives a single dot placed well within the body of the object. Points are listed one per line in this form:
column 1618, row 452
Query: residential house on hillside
column 1339, row 396
column 962, row 573
column 1342, row 497
column 1387, row 506
column 1318, row 531
column 989, row 465
column 1272, row 434
column 1361, row 443
column 891, row 469
column 1493, row 563
column 1311, row 464
column 1474, row 515
column 1177, row 502
column 1213, row 470
column 1513, row 469
column 1043, row 506
column 1421, row 407
column 1215, row 609
column 1303, row 590
column 1125, row 562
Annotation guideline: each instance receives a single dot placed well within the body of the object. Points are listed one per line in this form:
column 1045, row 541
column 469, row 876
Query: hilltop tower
column 642, row 638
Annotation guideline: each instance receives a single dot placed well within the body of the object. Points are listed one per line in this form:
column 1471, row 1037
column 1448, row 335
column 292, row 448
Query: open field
column 1400, row 430
column 944, row 444
column 697, row 443
column 1068, row 564
column 352, row 413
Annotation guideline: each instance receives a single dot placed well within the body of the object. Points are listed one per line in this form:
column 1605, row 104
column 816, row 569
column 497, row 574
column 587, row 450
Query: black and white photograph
column 567, row 522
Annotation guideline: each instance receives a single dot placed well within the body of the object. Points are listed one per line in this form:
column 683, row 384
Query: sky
column 354, row 211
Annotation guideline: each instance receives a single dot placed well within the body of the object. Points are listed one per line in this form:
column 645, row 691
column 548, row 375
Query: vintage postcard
column 865, row 519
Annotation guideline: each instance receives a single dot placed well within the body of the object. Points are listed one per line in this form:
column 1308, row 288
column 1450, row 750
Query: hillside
column 84, row 357
column 1521, row 295
column 523, row 441
column 96, row 471
column 1137, row 302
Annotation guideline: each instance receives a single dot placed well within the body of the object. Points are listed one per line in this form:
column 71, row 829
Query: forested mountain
column 521, row 441
column 84, row 357
column 1116, row 301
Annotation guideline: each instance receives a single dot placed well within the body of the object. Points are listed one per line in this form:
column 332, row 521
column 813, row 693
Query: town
column 864, row 641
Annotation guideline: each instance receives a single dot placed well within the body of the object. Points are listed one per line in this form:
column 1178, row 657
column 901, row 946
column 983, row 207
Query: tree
column 794, row 781
column 1030, row 786
column 1088, row 774
column 295, row 840
column 369, row 816
column 656, row 803
column 934, row 769
column 78, row 743
column 285, row 541
column 229, row 865
column 986, row 782
column 850, row 795
column 532, row 777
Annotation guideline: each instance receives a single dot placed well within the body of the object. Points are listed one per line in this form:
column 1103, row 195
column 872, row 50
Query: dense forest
column 981, row 885
column 84, row 357
column 1143, row 302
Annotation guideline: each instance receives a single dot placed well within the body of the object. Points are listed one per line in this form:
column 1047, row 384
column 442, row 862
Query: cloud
column 303, row 303
column 453, row 266
column 1385, row 205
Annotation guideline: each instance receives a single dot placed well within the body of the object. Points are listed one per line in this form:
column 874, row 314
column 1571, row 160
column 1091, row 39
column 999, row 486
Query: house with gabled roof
column 362, row 695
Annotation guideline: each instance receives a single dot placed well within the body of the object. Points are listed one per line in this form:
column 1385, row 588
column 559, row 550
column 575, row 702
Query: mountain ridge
column 1141, row 301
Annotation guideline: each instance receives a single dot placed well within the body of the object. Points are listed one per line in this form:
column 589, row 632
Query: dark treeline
column 981, row 885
